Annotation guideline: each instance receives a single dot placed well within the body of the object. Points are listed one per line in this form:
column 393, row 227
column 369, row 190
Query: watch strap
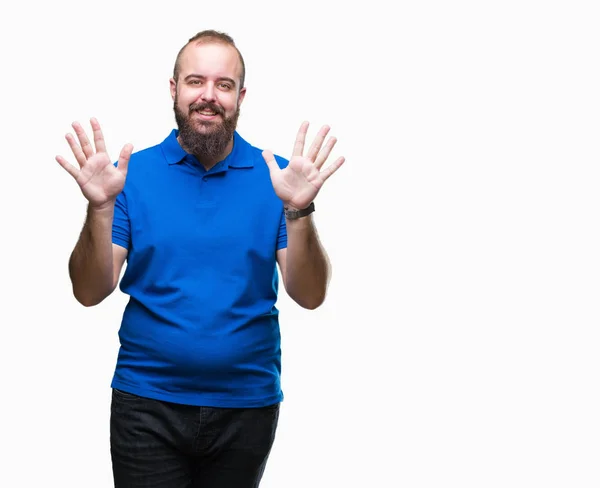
column 296, row 214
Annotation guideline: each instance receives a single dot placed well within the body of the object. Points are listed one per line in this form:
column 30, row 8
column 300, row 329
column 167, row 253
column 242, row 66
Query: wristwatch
column 296, row 214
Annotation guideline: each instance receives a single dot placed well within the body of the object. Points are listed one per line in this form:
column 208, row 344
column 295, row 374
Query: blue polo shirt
column 201, row 326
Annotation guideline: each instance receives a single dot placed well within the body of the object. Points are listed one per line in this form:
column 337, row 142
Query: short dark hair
column 211, row 36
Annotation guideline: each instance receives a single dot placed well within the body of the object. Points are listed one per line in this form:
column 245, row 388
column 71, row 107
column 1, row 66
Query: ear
column 241, row 96
column 173, row 87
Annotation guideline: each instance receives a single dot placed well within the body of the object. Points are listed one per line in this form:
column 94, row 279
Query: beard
column 210, row 143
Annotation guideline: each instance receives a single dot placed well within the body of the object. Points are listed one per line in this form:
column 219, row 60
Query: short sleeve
column 121, row 233
column 282, row 236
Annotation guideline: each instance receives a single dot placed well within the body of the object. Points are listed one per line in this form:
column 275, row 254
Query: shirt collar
column 239, row 157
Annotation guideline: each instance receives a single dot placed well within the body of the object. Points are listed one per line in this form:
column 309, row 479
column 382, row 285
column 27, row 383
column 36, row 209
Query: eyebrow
column 222, row 78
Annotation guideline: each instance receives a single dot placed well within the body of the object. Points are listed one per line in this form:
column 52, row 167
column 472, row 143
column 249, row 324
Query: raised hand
column 298, row 184
column 100, row 181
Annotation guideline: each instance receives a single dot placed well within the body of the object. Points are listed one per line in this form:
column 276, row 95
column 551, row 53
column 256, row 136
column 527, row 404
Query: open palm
column 299, row 182
column 100, row 181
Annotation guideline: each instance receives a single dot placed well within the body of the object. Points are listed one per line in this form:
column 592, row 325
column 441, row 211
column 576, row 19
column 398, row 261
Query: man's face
column 207, row 98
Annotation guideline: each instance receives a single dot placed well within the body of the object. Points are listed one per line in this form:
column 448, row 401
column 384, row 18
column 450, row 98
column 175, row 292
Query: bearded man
column 204, row 221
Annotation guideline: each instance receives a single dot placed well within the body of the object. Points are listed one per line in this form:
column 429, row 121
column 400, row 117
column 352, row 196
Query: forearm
column 91, row 263
column 307, row 264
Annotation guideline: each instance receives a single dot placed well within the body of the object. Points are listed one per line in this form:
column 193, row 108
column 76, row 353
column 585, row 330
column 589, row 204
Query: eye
column 195, row 82
column 225, row 86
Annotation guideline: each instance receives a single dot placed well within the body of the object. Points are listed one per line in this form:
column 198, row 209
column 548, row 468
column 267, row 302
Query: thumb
column 124, row 158
column 270, row 160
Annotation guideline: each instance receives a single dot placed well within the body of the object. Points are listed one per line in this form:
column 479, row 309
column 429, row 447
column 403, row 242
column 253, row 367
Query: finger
column 270, row 160
column 332, row 168
column 300, row 138
column 86, row 146
column 69, row 167
column 123, row 162
column 317, row 143
column 77, row 152
column 324, row 154
column 98, row 136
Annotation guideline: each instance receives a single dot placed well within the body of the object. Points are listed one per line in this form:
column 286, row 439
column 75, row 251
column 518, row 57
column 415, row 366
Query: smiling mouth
column 207, row 113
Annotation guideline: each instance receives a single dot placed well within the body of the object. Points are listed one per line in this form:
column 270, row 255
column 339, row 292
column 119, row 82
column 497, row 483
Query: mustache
column 199, row 107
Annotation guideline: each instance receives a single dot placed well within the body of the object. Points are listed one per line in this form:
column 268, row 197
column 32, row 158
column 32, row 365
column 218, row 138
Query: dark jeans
column 165, row 445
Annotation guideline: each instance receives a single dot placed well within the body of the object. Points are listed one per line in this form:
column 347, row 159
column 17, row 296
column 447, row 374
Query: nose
column 208, row 94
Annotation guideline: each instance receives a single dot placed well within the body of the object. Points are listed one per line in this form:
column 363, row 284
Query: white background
column 459, row 345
